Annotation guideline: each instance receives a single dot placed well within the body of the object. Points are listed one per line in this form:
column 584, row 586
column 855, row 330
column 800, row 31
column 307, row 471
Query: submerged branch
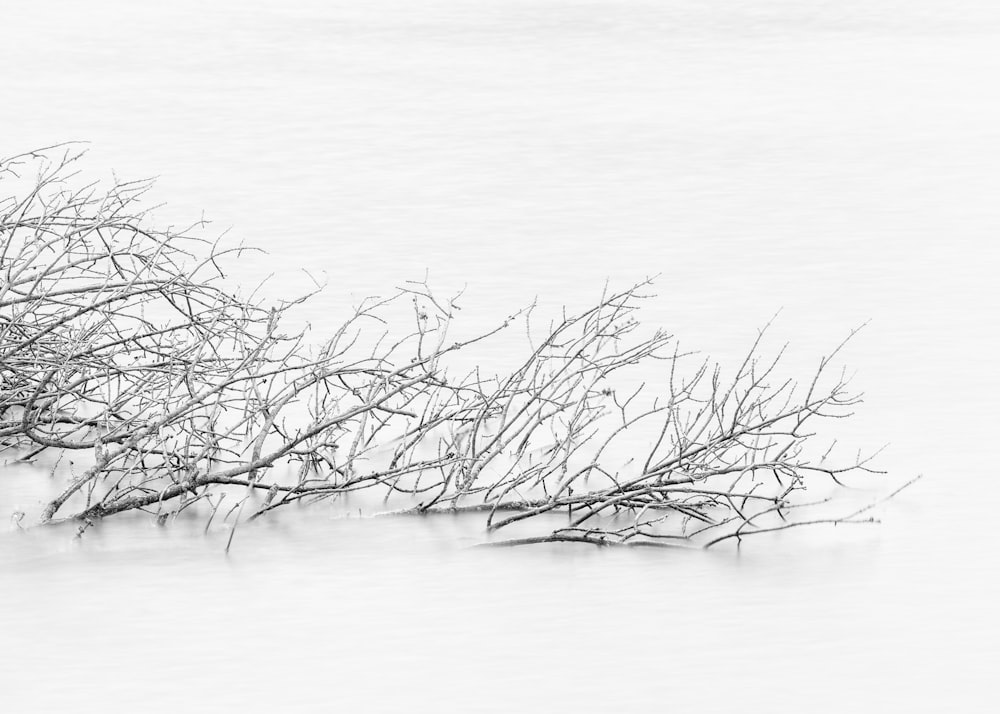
column 116, row 339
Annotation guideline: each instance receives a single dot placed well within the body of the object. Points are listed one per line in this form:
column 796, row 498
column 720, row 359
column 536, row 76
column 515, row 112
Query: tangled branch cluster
column 117, row 341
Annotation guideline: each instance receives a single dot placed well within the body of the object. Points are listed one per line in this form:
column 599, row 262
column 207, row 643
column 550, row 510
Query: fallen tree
column 118, row 341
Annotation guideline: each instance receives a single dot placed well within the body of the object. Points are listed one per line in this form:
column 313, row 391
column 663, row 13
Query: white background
column 839, row 161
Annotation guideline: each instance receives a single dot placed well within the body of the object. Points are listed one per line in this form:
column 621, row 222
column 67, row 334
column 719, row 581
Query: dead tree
column 119, row 341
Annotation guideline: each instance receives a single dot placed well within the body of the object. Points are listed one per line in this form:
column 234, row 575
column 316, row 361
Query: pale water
column 837, row 161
